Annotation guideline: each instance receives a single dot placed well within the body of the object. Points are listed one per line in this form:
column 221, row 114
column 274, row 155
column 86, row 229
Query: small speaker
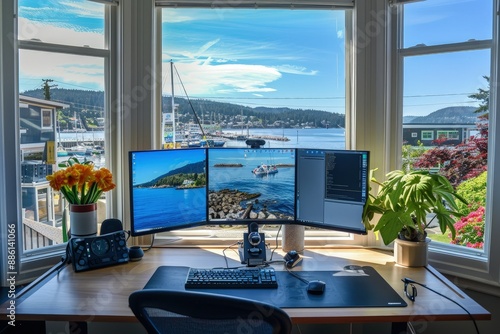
column 111, row 225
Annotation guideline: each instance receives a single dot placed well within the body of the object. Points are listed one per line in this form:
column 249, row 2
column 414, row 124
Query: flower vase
column 83, row 220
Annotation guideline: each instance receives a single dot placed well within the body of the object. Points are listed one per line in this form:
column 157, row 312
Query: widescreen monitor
column 332, row 188
column 168, row 190
column 251, row 185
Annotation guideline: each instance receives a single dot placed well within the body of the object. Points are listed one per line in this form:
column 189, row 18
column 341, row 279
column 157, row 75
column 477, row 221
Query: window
column 447, row 134
column 46, row 118
column 62, row 59
column 427, row 135
column 445, row 80
column 272, row 73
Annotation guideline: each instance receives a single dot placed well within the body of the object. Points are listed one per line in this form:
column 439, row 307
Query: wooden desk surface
column 102, row 294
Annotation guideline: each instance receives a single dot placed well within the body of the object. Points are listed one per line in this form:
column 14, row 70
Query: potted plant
column 404, row 203
column 82, row 185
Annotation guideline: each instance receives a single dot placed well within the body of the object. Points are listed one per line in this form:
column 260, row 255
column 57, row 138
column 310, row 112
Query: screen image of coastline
column 168, row 190
column 255, row 185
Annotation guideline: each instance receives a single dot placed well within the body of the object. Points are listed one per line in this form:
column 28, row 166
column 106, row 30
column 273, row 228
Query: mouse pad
column 363, row 287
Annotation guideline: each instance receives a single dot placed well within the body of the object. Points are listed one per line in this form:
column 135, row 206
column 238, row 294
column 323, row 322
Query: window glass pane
column 61, row 113
column 68, row 22
column 274, row 74
column 434, row 22
column 278, row 73
column 441, row 104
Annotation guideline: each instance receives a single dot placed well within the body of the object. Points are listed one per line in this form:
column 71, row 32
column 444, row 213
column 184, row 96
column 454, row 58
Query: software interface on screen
column 332, row 188
column 251, row 185
column 168, row 190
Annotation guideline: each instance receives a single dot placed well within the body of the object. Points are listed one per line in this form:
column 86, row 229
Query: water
column 168, row 207
column 333, row 138
column 298, row 138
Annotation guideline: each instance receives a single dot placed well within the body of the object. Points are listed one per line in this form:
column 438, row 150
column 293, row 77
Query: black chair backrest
column 190, row 312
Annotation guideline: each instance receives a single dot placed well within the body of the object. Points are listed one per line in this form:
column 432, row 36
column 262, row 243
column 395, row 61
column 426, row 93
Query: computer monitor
column 332, row 188
column 167, row 190
column 251, row 185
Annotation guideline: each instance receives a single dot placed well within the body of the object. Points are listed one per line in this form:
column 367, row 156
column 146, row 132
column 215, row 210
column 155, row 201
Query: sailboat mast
column 173, row 103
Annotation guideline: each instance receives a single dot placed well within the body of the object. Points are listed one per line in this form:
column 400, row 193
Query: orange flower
column 81, row 183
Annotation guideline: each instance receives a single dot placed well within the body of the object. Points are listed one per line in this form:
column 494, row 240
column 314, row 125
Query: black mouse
column 316, row 287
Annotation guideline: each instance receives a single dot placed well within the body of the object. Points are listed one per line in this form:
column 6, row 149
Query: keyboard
column 232, row 278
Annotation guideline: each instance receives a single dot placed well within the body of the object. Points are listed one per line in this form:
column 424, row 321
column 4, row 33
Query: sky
column 274, row 58
column 151, row 164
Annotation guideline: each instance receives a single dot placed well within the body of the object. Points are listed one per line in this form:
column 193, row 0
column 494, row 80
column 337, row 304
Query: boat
column 61, row 152
column 264, row 170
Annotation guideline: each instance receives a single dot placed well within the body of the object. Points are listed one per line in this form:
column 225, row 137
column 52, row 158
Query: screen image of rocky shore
column 251, row 184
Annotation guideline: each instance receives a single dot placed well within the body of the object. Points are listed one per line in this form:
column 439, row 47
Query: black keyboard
column 233, row 278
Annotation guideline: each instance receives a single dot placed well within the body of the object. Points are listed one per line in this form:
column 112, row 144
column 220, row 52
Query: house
column 38, row 124
column 431, row 134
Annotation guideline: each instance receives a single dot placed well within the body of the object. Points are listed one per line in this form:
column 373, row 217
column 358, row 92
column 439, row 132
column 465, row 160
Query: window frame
column 31, row 263
column 207, row 237
column 466, row 263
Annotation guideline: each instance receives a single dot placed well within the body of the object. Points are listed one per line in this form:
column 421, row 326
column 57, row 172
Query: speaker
column 111, row 225
column 254, row 246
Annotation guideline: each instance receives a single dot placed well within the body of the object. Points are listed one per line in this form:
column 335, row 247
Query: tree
column 483, row 95
column 469, row 159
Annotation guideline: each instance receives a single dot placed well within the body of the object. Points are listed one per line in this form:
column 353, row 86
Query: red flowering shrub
column 470, row 229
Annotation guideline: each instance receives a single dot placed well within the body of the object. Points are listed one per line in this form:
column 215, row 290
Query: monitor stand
column 253, row 253
column 243, row 260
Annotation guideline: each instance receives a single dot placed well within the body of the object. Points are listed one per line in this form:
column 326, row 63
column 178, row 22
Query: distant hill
column 89, row 105
column 449, row 115
column 170, row 179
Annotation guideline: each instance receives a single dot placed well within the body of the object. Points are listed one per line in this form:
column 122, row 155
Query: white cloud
column 50, row 33
column 86, row 72
column 291, row 69
column 222, row 78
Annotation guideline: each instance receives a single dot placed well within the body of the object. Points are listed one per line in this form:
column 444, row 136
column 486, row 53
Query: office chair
column 190, row 312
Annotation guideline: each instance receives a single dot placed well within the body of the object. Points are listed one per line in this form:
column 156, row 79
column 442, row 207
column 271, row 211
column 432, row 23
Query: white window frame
column 42, row 118
column 469, row 264
column 28, row 264
column 427, row 135
column 200, row 236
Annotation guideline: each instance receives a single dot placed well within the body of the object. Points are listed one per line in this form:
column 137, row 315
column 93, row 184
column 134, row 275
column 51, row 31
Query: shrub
column 470, row 229
column 474, row 192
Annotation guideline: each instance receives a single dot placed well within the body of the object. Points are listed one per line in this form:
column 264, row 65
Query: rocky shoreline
column 225, row 204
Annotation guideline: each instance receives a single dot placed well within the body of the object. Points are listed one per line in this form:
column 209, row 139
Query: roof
column 44, row 103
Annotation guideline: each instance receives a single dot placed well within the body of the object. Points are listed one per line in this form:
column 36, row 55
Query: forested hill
column 448, row 115
column 90, row 104
column 177, row 176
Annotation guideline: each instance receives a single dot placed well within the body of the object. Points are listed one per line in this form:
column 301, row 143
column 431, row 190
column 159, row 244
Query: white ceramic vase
column 83, row 220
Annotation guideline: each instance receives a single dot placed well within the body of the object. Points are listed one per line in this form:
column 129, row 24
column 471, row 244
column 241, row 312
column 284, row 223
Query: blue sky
column 151, row 164
column 275, row 58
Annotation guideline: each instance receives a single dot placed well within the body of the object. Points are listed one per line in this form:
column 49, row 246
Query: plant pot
column 411, row 253
column 83, row 220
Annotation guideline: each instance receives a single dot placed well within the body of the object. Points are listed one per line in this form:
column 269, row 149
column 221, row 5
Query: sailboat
column 193, row 137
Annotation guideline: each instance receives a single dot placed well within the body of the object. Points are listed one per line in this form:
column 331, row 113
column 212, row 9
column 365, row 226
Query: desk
column 102, row 295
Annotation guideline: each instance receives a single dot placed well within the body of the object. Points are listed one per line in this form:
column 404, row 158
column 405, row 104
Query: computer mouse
column 316, row 287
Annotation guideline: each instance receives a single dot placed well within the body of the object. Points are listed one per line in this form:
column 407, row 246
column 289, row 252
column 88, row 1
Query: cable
column 228, row 247
column 276, row 242
column 409, row 280
column 296, row 276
